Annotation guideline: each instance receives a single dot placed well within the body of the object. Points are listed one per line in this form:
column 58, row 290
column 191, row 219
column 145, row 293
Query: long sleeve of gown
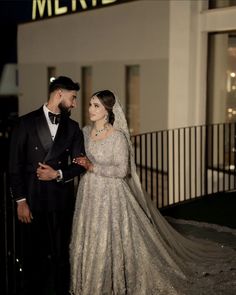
column 119, row 166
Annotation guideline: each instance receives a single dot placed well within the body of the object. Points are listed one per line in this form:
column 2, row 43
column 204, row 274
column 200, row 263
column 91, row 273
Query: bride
column 121, row 244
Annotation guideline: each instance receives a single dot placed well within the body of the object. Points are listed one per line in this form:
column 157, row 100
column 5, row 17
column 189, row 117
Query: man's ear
column 59, row 93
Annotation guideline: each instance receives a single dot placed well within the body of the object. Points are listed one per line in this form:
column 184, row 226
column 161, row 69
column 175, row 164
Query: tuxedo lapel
column 43, row 131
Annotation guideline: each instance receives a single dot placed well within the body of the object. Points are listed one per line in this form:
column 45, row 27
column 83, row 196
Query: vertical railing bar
column 146, row 164
column 173, row 163
column 168, row 171
column 135, row 149
column 184, row 138
column 229, row 156
column 141, row 159
column 206, row 159
column 234, row 154
column 179, row 182
column 162, row 168
column 218, row 157
column 190, row 163
column 224, row 170
column 5, row 231
column 201, row 159
column 151, row 164
column 212, row 159
column 157, row 171
column 14, row 246
column 195, row 156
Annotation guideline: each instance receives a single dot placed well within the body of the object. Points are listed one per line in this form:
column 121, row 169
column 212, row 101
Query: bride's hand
column 83, row 161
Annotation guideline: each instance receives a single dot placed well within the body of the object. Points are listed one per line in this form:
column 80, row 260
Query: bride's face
column 97, row 111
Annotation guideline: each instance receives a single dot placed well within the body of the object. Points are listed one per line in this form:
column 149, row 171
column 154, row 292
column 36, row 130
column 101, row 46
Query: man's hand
column 23, row 212
column 84, row 161
column 46, row 172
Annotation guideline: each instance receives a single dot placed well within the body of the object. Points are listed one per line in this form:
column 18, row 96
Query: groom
column 43, row 144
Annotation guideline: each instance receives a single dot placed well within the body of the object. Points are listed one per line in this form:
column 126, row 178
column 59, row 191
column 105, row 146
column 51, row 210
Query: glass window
column 86, row 93
column 51, row 74
column 221, row 96
column 221, row 3
column 221, row 99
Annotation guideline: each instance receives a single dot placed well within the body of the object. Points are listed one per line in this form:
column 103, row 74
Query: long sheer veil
column 120, row 123
column 203, row 256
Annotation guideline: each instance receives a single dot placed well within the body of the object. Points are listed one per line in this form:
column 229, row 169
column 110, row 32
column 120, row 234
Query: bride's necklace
column 98, row 131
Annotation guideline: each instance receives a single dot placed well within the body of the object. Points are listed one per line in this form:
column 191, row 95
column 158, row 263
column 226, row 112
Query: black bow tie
column 54, row 118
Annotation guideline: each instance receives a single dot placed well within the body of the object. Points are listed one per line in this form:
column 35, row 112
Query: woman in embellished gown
column 121, row 245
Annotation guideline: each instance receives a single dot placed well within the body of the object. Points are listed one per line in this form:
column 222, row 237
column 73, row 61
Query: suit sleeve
column 77, row 148
column 17, row 161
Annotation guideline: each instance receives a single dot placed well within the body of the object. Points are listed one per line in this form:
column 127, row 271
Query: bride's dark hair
column 107, row 98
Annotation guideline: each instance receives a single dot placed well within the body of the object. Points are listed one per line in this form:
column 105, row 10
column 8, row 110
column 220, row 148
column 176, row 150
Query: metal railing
column 8, row 259
column 186, row 163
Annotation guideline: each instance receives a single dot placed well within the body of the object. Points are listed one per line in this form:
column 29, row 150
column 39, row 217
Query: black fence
column 174, row 166
column 8, row 259
column 186, row 163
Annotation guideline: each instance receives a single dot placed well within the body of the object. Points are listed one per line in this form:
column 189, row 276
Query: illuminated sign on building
column 50, row 8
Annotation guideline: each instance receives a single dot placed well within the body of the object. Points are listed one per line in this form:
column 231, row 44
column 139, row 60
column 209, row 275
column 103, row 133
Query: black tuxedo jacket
column 31, row 143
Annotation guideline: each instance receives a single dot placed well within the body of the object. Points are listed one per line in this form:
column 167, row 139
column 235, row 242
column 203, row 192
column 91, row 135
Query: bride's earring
column 106, row 118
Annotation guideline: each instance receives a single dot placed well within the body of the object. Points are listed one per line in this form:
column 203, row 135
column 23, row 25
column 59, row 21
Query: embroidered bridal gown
column 117, row 248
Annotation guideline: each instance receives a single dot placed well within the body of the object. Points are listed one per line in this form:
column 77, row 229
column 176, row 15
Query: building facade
column 170, row 62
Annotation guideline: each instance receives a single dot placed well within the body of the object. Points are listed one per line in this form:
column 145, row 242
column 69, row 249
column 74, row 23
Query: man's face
column 68, row 100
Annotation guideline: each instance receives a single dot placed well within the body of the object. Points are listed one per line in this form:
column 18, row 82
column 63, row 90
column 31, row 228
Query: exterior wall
column 107, row 39
column 135, row 30
column 184, row 18
column 190, row 22
column 168, row 39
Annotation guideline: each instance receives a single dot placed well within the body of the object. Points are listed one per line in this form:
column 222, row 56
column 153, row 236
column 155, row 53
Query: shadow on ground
column 217, row 208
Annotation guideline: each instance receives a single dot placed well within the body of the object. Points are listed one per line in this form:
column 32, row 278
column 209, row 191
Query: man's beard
column 64, row 110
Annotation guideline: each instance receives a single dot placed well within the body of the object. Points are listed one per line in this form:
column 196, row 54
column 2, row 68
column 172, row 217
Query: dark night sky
column 12, row 12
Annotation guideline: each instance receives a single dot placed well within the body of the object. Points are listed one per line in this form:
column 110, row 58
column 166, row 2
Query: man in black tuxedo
column 43, row 145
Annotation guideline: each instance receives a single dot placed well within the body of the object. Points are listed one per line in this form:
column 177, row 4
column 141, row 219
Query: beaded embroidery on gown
column 117, row 249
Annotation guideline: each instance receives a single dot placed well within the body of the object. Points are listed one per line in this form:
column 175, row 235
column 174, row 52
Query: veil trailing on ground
column 201, row 256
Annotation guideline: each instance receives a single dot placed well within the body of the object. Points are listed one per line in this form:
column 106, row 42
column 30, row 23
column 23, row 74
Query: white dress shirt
column 52, row 127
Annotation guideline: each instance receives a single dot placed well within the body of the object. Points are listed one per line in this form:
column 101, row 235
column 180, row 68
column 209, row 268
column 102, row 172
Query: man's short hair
column 63, row 83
